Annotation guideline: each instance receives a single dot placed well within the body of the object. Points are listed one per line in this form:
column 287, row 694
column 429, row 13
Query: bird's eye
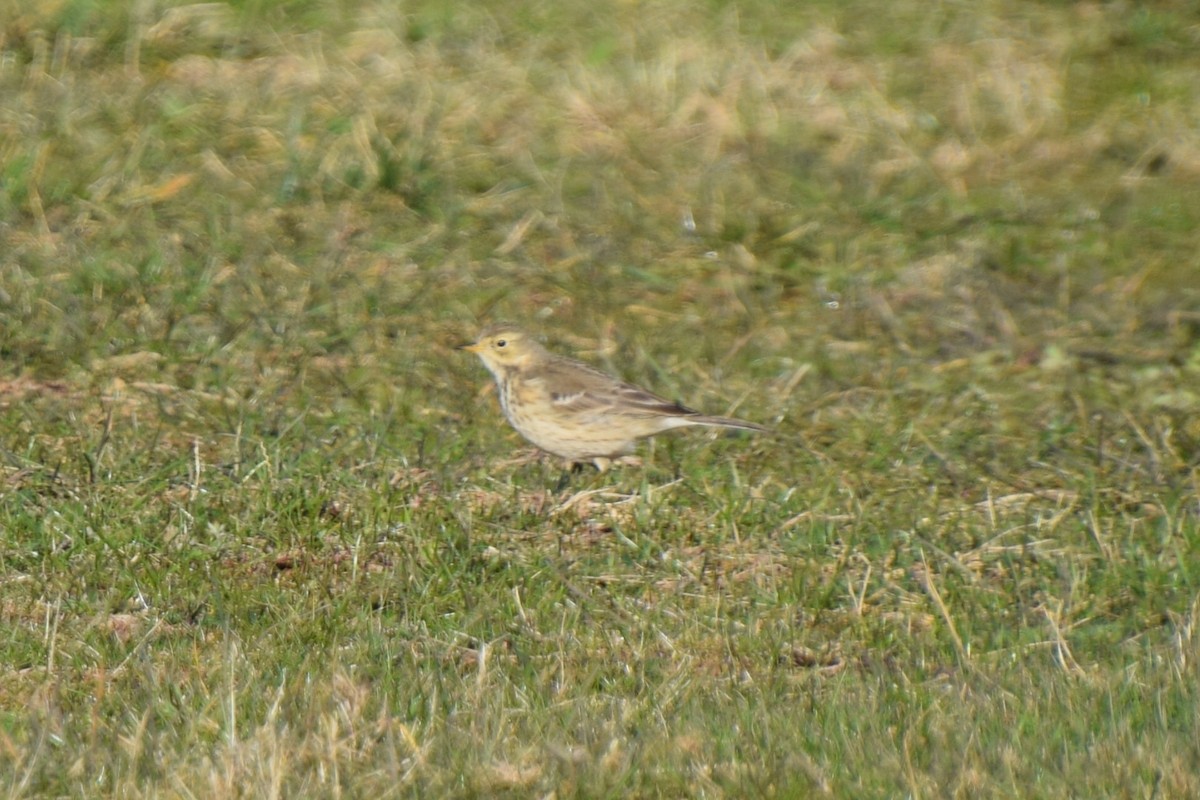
column 501, row 343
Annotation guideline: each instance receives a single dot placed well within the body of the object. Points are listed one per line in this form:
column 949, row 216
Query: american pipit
column 573, row 410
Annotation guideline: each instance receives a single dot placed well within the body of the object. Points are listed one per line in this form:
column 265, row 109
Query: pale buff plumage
column 573, row 410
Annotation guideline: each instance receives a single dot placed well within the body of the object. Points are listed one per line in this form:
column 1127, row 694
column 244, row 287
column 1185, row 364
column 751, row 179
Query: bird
column 573, row 410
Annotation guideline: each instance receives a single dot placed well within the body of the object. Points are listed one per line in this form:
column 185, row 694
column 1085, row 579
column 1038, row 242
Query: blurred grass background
column 263, row 533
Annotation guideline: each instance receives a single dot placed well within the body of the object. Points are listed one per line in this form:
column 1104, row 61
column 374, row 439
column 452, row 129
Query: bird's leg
column 565, row 479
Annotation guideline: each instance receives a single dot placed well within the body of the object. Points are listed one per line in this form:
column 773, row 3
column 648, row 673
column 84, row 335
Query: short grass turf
column 263, row 533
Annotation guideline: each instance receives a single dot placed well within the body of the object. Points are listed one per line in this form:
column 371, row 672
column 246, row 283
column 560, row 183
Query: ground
column 264, row 533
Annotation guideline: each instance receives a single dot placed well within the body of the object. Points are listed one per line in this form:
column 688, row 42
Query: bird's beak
column 470, row 347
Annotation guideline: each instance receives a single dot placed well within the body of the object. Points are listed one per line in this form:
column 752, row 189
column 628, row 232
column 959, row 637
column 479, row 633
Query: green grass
column 263, row 532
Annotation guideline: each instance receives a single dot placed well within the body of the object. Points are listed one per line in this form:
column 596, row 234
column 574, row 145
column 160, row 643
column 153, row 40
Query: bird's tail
column 726, row 422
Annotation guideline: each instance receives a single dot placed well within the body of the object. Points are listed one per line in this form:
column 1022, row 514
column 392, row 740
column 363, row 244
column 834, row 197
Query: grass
column 262, row 532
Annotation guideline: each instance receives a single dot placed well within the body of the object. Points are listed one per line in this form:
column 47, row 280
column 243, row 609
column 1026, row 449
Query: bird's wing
column 638, row 399
column 579, row 388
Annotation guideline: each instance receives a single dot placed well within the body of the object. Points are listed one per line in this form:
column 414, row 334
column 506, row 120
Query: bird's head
column 503, row 347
